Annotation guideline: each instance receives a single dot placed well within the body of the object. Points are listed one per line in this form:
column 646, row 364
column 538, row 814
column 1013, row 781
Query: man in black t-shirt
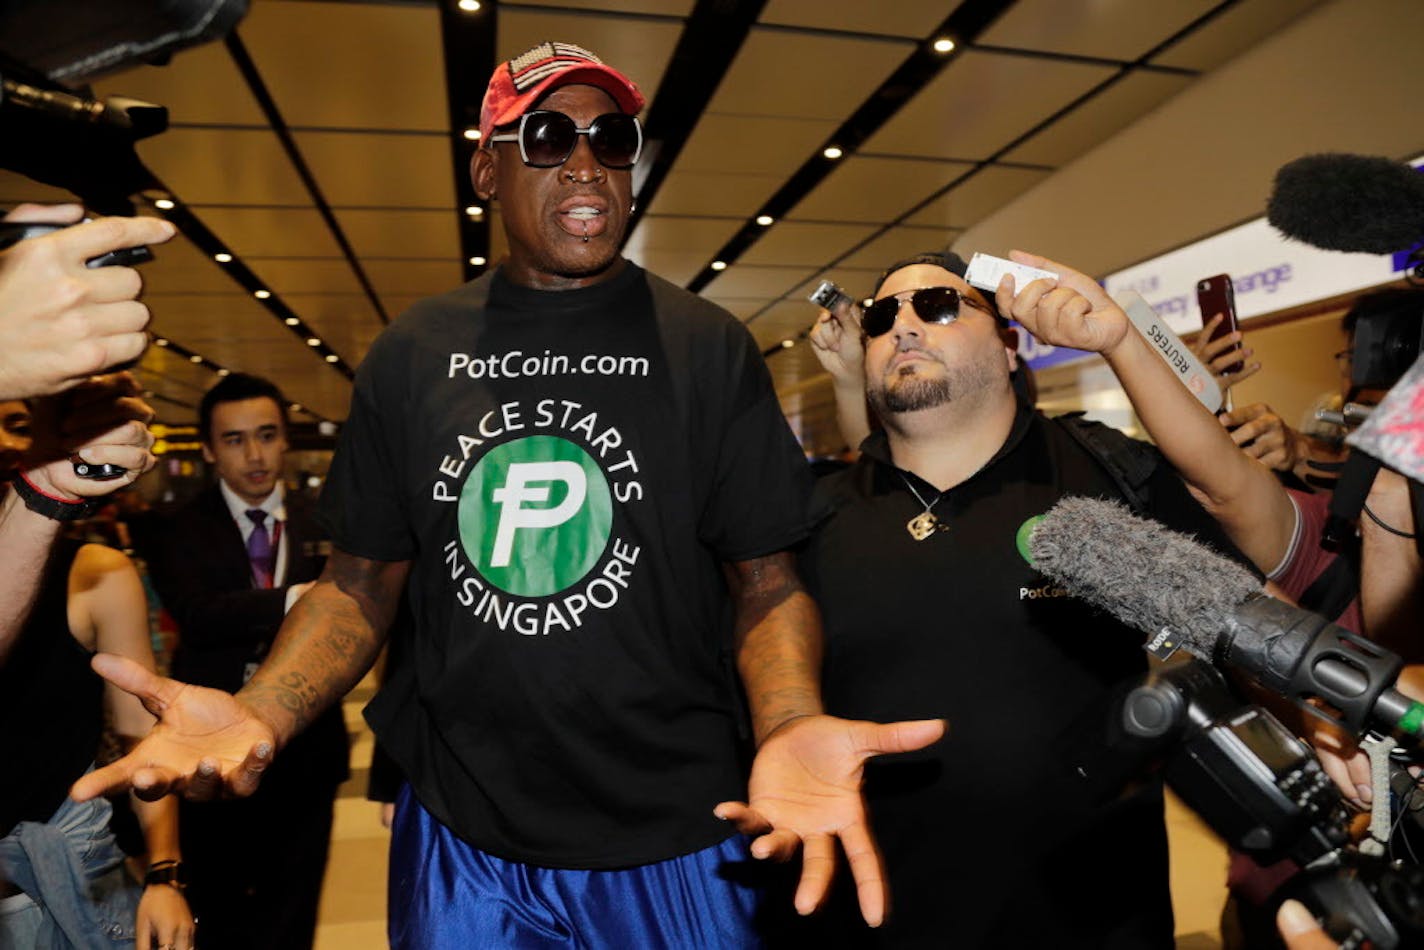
column 581, row 475
column 931, row 609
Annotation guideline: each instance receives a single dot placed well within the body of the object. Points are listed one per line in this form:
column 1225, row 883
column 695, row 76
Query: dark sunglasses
column 932, row 305
column 547, row 139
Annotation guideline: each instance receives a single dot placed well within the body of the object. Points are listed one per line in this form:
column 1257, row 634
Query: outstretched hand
column 1073, row 311
column 805, row 793
column 206, row 743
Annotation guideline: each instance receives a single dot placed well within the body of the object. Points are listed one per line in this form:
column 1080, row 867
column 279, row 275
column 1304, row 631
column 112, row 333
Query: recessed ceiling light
column 262, row 294
column 833, row 152
column 195, row 358
column 223, row 258
column 477, row 261
column 223, row 372
column 472, row 134
column 291, row 321
column 313, row 341
column 296, row 407
column 469, row 6
column 160, row 341
column 765, row 220
column 719, row 265
column 165, row 204
column 943, row 45
column 332, row 357
column 474, row 211
column 787, row 344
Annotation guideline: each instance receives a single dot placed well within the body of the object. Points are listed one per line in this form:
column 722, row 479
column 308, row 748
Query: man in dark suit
column 230, row 566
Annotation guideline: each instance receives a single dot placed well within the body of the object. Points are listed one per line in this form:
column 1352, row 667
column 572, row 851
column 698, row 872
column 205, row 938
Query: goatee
column 911, row 395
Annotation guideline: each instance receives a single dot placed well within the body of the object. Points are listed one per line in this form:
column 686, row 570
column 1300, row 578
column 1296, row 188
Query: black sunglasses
column 547, row 139
column 932, row 305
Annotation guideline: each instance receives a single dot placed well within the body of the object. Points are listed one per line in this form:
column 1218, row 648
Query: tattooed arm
column 328, row 641
column 804, row 791
column 778, row 642
column 209, row 743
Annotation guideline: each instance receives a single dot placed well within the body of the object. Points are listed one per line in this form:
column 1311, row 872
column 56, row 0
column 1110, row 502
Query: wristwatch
column 58, row 509
column 172, row 873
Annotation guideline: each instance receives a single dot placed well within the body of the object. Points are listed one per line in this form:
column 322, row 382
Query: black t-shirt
column 567, row 471
column 987, row 838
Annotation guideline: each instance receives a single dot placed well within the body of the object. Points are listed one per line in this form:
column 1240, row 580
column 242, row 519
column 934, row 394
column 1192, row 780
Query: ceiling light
column 787, row 344
column 291, row 321
column 474, row 211
column 477, row 261
column 262, row 294
column 833, row 153
column 160, row 341
column 296, row 407
column 223, row 372
column 472, row 134
column 223, row 258
column 943, row 45
column 332, row 357
column 165, row 204
column 195, row 358
column 765, row 220
column 469, row 6
column 313, row 341
column 719, row 265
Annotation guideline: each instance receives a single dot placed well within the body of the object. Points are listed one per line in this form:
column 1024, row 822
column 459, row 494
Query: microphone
column 1187, row 595
column 1354, row 203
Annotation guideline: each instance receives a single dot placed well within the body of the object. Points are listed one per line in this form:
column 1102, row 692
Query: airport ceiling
column 323, row 147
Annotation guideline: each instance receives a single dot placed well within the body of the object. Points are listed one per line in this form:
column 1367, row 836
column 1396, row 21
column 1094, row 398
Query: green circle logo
column 535, row 515
column 1024, row 536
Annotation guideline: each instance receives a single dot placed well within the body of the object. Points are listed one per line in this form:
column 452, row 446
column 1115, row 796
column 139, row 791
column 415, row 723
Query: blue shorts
column 445, row 893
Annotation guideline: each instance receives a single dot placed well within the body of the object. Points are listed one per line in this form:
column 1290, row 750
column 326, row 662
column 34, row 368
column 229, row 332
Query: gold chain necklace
column 925, row 523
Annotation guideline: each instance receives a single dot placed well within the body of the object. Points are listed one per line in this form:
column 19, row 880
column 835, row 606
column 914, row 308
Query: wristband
column 56, row 509
column 172, row 873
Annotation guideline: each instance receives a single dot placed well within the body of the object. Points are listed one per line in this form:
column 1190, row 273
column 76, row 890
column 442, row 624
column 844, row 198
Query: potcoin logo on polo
column 535, row 515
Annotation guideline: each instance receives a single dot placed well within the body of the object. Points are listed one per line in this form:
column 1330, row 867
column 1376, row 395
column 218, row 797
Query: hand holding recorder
column 835, row 336
column 62, row 318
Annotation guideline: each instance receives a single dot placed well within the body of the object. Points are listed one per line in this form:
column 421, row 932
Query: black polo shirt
column 985, row 836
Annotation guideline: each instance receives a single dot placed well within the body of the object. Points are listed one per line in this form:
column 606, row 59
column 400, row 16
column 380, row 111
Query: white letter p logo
column 517, row 490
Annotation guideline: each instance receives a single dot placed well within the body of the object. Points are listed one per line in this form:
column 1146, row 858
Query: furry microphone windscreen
column 1144, row 574
column 1355, row 203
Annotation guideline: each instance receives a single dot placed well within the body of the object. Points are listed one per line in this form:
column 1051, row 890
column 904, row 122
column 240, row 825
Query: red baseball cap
column 519, row 83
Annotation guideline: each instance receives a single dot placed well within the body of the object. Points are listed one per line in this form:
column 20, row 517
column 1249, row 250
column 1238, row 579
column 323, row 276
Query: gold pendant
column 922, row 525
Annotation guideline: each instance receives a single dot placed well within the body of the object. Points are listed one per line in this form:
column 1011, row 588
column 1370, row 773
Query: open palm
column 805, row 792
column 206, row 743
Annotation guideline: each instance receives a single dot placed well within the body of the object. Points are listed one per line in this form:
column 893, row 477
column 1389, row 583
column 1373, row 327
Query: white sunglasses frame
column 518, row 136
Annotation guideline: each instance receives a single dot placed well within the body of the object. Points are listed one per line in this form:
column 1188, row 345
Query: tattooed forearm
column 778, row 643
column 327, row 643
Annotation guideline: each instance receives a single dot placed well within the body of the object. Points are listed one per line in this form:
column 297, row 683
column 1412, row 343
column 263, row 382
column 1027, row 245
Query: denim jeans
column 70, row 870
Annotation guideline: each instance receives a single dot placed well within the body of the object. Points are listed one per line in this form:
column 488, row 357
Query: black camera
column 1261, row 789
column 1389, row 336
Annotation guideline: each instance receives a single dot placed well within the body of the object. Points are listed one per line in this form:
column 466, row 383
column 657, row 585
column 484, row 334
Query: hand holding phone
column 1216, row 296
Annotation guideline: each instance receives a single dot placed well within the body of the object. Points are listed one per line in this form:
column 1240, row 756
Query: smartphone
column 1216, row 295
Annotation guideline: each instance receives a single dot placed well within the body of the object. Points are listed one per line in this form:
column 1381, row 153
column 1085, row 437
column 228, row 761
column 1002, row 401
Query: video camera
column 1263, row 792
column 51, row 129
column 1389, row 336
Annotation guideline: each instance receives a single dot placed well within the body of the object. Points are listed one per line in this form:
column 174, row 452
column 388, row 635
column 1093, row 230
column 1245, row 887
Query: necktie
column 259, row 549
